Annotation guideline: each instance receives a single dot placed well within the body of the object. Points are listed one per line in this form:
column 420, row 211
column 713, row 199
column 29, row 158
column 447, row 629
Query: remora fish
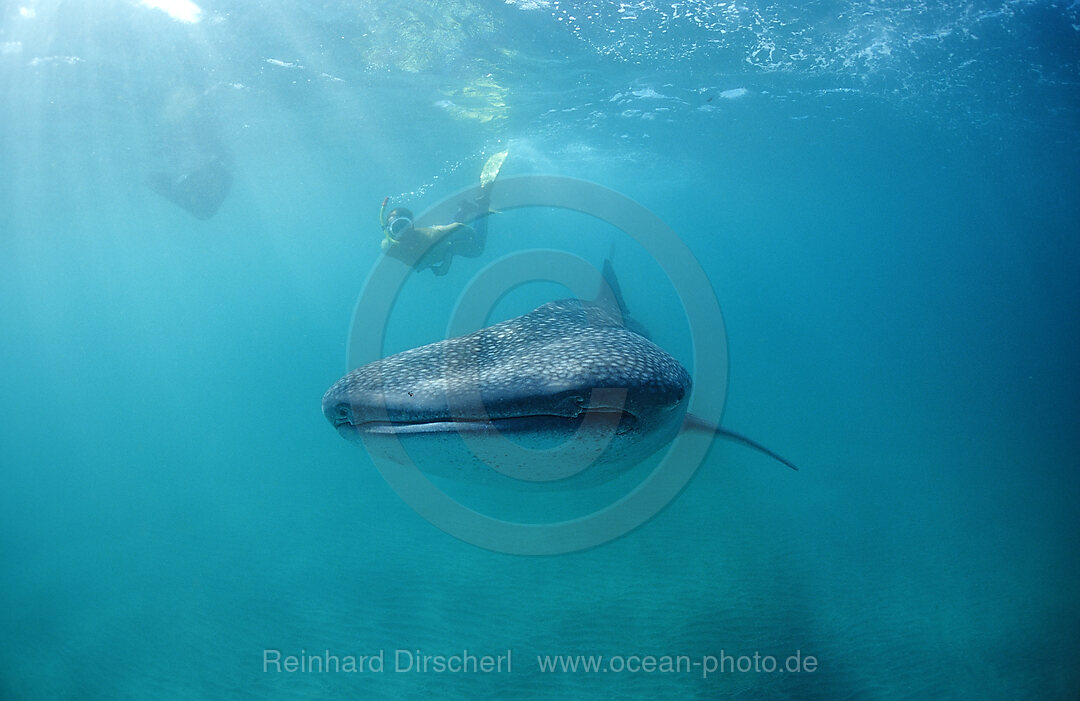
column 579, row 375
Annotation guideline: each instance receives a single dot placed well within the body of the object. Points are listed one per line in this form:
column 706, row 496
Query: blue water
column 885, row 197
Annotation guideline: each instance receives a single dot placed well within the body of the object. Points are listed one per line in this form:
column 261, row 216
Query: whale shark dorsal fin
column 612, row 289
column 610, row 295
column 693, row 423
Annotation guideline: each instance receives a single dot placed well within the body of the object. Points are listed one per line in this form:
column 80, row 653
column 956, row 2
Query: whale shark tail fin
column 691, row 422
column 610, row 295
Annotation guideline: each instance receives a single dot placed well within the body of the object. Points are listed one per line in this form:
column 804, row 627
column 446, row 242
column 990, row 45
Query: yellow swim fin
column 491, row 168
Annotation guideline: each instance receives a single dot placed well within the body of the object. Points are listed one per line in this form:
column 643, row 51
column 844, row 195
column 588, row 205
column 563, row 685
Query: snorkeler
column 434, row 247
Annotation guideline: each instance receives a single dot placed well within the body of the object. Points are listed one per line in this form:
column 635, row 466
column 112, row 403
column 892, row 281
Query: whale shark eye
column 341, row 415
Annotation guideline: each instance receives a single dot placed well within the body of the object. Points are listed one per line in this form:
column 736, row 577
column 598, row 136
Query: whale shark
column 573, row 388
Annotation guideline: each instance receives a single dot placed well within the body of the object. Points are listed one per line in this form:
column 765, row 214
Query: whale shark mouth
column 610, row 418
column 377, row 412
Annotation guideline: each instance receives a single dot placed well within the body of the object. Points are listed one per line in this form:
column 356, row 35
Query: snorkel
column 382, row 221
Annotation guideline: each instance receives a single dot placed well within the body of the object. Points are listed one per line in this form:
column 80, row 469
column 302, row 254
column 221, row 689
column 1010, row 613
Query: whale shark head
column 575, row 374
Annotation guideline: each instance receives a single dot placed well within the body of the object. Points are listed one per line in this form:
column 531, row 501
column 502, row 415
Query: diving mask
column 397, row 225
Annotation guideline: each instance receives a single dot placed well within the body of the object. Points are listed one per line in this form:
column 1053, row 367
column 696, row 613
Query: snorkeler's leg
column 464, row 212
column 480, row 206
column 471, row 209
column 469, row 240
column 479, row 226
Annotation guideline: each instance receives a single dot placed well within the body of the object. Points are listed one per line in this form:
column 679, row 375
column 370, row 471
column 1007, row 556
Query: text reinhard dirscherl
column 399, row 660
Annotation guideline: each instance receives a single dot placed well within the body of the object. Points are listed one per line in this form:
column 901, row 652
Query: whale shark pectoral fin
column 694, row 423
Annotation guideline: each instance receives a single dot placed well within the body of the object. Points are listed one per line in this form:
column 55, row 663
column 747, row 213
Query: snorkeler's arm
column 438, row 248
column 443, row 266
